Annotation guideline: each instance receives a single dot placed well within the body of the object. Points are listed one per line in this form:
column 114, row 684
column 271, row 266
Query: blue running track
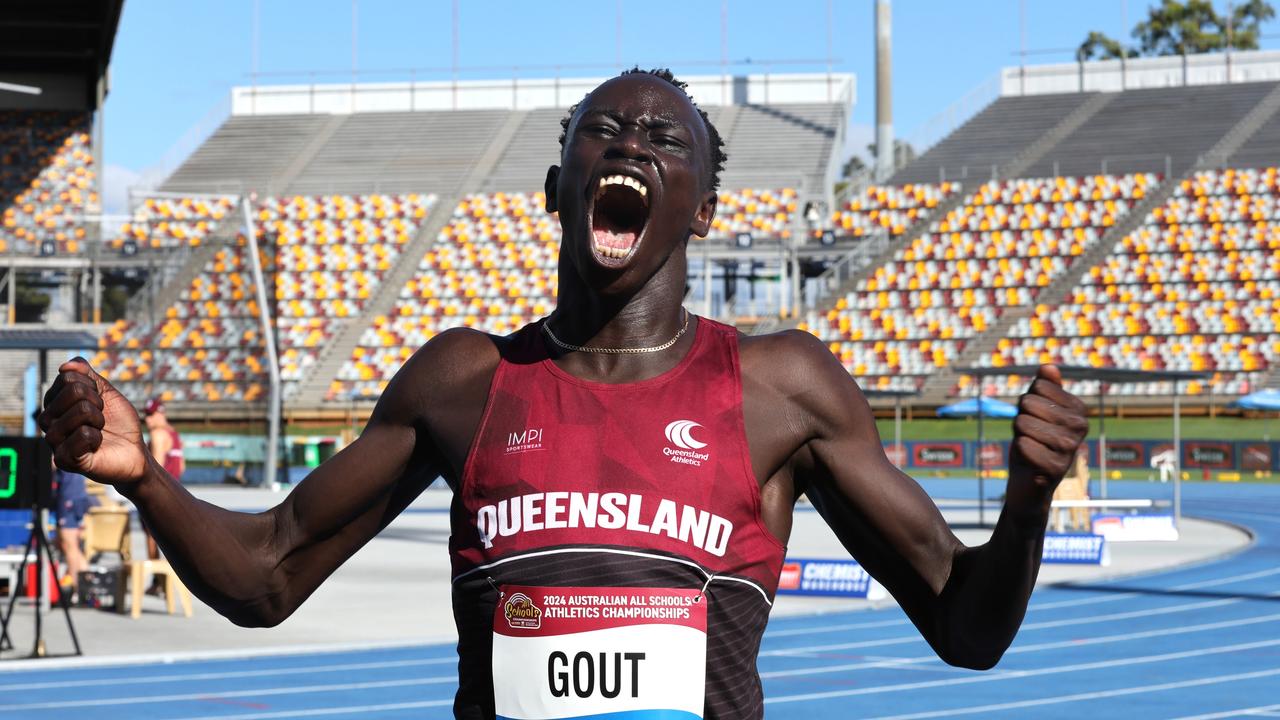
column 1197, row 642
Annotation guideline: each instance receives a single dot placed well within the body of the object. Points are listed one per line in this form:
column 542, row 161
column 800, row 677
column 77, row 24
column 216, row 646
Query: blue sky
column 175, row 61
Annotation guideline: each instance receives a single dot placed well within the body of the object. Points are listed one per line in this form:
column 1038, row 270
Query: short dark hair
column 716, row 154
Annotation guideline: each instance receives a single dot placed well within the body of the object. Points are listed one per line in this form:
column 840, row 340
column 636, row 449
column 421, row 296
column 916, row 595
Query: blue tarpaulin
column 1261, row 400
column 991, row 408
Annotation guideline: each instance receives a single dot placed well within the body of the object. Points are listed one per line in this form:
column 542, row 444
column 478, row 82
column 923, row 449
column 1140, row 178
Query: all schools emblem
column 521, row 613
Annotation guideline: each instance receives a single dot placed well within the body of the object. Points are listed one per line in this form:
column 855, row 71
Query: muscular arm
column 256, row 569
column 967, row 602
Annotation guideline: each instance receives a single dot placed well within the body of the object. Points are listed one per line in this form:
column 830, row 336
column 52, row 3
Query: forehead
column 640, row 95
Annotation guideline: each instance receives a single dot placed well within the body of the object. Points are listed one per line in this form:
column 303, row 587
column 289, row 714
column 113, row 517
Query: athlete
column 624, row 472
column 166, row 448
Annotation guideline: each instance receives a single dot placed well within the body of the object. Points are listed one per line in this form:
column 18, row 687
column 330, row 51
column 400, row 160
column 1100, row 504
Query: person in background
column 1075, row 486
column 71, row 504
column 166, row 448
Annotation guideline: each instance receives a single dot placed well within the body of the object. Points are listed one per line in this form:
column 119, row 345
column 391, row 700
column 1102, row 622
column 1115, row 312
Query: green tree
column 1174, row 27
column 1100, row 46
column 1246, row 23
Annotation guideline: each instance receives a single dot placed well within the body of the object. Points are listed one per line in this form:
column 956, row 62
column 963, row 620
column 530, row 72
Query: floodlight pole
column 1102, row 438
column 897, row 429
column 269, row 341
column 1177, row 457
column 982, row 495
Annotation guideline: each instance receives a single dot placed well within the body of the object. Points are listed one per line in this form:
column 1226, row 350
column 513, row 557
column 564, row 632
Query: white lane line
column 362, row 709
column 1019, row 649
column 1033, row 607
column 822, row 630
column 1018, row 674
column 1261, row 709
column 1059, row 699
column 271, row 651
column 260, row 692
column 1072, row 622
column 228, row 675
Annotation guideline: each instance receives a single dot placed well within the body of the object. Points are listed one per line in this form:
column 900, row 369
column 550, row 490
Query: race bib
column 599, row 652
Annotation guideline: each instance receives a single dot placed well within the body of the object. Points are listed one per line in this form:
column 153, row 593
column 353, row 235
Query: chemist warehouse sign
column 846, row 578
column 833, row 578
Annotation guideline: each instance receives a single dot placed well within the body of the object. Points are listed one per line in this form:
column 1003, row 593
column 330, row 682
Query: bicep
column 349, row 498
column 881, row 515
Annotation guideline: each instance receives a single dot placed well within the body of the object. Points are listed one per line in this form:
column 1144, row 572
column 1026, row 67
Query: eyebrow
column 652, row 123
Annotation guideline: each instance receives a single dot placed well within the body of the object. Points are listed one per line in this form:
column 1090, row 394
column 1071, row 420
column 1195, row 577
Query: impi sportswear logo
column 524, row 441
column 680, row 434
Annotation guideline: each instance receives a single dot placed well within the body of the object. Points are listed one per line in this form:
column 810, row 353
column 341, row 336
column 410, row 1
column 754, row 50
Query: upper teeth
column 624, row 180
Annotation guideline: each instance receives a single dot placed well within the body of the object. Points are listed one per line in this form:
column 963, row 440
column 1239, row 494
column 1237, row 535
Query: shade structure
column 990, row 407
column 1261, row 400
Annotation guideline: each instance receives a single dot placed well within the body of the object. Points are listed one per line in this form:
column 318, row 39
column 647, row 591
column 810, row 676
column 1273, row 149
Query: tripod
column 40, row 544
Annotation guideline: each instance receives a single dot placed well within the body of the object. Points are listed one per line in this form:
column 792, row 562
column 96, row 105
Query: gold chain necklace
column 546, row 327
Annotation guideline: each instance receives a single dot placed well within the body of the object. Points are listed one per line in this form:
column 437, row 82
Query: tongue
column 607, row 238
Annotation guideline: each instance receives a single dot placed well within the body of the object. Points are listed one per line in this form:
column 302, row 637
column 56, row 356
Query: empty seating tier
column 915, row 313
column 323, row 255
column 889, row 209
column 493, row 268
column 166, row 223
column 1195, row 288
column 46, row 181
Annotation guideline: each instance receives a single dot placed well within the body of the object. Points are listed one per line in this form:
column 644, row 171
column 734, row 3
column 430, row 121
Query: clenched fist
column 91, row 427
column 1051, row 424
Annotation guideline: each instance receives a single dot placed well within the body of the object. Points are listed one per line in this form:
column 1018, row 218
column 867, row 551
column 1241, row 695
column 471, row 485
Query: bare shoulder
column 453, row 368
column 792, row 361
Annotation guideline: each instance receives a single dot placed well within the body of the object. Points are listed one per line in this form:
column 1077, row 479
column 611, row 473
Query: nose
column 629, row 144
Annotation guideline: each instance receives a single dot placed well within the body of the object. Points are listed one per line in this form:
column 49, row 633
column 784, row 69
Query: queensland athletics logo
column 680, row 434
column 521, row 613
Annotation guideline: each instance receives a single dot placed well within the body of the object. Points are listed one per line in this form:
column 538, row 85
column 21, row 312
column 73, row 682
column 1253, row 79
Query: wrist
column 152, row 476
column 1028, row 500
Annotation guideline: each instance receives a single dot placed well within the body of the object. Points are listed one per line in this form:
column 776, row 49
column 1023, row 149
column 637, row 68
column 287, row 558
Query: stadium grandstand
column 1087, row 215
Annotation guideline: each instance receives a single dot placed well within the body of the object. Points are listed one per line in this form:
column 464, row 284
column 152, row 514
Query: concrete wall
column 1135, row 73
column 518, row 94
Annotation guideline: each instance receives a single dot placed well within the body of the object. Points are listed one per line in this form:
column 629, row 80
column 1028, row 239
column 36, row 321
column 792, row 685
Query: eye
column 669, row 141
column 601, row 129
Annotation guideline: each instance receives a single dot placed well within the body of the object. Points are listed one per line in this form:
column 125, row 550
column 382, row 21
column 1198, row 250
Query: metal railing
column 851, row 264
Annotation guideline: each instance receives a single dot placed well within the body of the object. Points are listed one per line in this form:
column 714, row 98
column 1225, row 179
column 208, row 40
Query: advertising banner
column 831, row 578
column 1075, row 549
column 1255, row 456
column 937, row 454
column 1208, row 454
column 1124, row 454
column 1134, row 528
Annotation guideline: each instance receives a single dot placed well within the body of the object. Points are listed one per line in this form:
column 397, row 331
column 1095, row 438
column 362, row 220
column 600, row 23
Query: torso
column 545, row 431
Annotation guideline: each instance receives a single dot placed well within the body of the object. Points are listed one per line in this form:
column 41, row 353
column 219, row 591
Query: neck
column 649, row 317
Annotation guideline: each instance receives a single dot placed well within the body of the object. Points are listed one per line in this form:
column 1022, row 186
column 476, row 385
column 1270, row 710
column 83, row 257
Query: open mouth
column 619, row 212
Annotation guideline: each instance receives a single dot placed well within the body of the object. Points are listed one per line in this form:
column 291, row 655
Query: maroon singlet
column 571, row 483
column 173, row 460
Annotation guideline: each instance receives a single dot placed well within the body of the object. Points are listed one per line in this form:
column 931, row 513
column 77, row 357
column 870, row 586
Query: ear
column 549, row 188
column 705, row 214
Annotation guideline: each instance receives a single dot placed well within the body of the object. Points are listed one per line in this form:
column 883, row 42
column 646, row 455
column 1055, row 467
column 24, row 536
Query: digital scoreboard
column 26, row 473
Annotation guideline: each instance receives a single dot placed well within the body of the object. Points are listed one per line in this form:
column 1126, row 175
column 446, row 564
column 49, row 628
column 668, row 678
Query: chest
column 682, row 439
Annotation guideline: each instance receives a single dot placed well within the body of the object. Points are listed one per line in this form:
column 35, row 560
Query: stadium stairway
column 285, row 177
column 163, row 289
column 938, row 387
column 1020, row 162
column 313, row 388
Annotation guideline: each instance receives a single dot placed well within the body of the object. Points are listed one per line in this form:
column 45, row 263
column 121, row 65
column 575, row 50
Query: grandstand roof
column 23, row 339
column 1084, row 372
column 58, row 37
